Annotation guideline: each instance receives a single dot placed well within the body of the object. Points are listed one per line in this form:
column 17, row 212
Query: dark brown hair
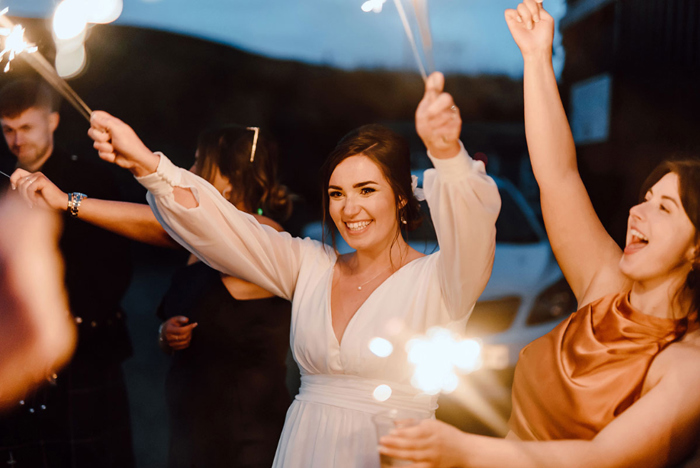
column 688, row 172
column 390, row 152
column 255, row 183
column 18, row 96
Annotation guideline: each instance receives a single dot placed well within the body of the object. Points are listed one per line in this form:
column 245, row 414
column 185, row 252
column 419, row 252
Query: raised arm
column 584, row 250
column 195, row 214
column 464, row 202
column 661, row 429
column 132, row 220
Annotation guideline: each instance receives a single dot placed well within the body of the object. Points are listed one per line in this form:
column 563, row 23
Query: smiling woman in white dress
column 341, row 302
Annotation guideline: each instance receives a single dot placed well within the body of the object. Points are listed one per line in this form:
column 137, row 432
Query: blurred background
column 309, row 71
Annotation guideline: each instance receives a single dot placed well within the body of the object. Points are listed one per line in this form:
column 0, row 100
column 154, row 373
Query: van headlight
column 554, row 303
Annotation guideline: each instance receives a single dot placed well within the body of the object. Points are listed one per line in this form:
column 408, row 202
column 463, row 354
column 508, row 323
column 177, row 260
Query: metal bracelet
column 74, row 199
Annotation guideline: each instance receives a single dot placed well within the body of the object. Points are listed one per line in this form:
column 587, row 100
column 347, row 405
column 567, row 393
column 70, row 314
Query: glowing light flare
column 381, row 347
column 70, row 63
column 382, row 393
column 104, row 11
column 70, row 19
column 438, row 357
column 14, row 43
column 373, row 5
column 467, row 355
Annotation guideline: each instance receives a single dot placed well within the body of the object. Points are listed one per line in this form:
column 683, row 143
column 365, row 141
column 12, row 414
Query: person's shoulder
column 681, row 358
column 689, row 345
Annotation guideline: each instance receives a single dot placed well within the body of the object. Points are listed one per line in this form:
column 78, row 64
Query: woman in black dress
column 226, row 388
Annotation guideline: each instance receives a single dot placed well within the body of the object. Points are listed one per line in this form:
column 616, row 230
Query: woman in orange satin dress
column 617, row 383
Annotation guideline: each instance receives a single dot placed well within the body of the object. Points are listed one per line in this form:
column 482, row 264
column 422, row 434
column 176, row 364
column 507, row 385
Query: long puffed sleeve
column 223, row 237
column 464, row 204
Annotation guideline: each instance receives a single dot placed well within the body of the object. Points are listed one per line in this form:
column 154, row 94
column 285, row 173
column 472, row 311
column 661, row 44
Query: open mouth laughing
column 637, row 241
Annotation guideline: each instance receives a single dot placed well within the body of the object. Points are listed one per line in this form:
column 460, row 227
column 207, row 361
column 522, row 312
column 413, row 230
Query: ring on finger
column 454, row 109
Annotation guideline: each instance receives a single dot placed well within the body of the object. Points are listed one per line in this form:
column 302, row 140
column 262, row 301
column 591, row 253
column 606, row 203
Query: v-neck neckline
column 340, row 341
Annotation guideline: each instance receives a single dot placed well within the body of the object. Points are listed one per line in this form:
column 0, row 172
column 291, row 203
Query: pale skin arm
column 37, row 333
column 586, row 253
column 660, row 429
column 132, row 220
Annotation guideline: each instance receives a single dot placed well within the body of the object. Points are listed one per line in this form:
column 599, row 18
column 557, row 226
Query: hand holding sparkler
column 532, row 28
column 38, row 190
column 437, row 119
column 117, row 143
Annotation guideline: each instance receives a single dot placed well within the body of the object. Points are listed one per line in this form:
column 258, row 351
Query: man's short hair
column 20, row 95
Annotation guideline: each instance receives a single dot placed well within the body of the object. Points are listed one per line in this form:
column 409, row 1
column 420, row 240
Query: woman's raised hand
column 117, row 143
column 532, row 28
column 430, row 444
column 38, row 190
column 437, row 119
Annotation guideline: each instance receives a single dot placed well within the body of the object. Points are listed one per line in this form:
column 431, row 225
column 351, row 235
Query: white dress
column 329, row 423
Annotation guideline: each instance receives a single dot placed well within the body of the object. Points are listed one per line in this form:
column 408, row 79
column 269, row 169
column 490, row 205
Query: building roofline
column 581, row 10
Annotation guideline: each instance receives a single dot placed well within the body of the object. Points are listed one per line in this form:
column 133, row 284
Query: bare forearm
column 488, row 452
column 131, row 220
column 549, row 138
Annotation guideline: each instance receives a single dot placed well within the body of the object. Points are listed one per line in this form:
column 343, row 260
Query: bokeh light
column 70, row 63
column 382, row 392
column 381, row 347
column 70, row 19
column 104, row 11
column 373, row 5
column 438, row 357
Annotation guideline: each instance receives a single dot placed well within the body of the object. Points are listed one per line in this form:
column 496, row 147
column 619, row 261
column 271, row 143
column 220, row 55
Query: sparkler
column 14, row 42
column 438, row 357
column 420, row 8
column 6, row 175
column 16, row 45
column 411, row 39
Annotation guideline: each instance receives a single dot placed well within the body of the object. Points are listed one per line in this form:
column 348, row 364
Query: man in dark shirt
column 80, row 417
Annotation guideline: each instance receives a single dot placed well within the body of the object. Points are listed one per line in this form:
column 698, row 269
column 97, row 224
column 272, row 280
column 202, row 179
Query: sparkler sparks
column 438, row 357
column 39, row 63
column 14, row 43
column 373, row 5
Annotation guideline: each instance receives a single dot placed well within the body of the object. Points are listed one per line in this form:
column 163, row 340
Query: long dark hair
column 390, row 152
column 255, row 184
column 688, row 172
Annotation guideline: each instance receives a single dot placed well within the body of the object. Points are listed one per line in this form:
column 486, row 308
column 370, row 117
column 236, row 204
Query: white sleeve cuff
column 456, row 167
column 164, row 179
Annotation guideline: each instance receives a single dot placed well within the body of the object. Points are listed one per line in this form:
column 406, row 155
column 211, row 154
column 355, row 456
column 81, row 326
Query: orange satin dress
column 570, row 383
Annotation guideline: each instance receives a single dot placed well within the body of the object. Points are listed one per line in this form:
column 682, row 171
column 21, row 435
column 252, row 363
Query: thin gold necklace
column 359, row 288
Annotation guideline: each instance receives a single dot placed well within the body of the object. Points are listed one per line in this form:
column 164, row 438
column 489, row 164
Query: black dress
column 226, row 392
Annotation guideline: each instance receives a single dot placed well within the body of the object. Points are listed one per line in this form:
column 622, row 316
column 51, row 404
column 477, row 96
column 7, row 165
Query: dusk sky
column 470, row 36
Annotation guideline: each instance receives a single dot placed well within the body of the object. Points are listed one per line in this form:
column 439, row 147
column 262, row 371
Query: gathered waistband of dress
column 357, row 393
